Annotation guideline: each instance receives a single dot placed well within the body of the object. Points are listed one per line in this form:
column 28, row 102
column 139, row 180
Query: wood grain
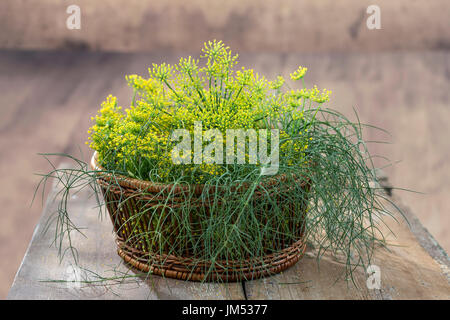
column 252, row 25
column 97, row 260
column 48, row 98
column 407, row 270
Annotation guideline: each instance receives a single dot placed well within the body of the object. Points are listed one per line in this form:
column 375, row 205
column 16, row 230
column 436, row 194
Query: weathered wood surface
column 48, row 97
column 412, row 268
column 269, row 25
column 97, row 258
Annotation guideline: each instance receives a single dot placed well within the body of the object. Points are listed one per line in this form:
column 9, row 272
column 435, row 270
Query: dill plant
column 323, row 184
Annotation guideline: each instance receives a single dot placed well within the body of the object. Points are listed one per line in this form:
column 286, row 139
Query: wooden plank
column 97, row 255
column 270, row 25
column 37, row 113
column 48, row 97
column 46, row 105
column 407, row 270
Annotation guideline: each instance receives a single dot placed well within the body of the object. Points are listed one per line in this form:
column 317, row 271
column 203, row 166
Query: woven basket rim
column 159, row 187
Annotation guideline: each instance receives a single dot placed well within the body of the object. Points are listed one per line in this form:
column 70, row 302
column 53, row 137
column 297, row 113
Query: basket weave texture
column 129, row 203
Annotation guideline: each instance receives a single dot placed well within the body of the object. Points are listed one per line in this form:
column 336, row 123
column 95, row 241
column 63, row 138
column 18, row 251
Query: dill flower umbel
column 208, row 90
column 299, row 73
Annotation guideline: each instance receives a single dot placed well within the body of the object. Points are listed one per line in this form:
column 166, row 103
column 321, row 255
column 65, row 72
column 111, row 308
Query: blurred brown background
column 53, row 79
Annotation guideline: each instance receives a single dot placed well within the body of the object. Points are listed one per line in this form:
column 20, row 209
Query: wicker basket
column 124, row 197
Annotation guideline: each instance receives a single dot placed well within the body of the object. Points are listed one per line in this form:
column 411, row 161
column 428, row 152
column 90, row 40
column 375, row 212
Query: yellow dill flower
column 138, row 139
column 299, row 73
column 319, row 97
